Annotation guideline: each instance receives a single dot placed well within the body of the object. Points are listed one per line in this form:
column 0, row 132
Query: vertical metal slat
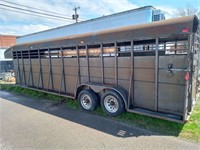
column 40, row 78
column 78, row 77
column 116, row 64
column 62, row 81
column 131, row 84
column 78, row 65
column 23, row 70
column 88, row 67
column 50, row 72
column 18, row 69
column 156, row 75
column 30, row 76
column 39, row 69
column 102, row 65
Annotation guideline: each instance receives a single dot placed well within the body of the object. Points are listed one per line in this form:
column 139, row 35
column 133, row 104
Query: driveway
column 30, row 123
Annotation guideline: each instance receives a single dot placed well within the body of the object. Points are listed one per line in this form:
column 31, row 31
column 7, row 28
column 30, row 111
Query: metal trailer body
column 127, row 18
column 152, row 67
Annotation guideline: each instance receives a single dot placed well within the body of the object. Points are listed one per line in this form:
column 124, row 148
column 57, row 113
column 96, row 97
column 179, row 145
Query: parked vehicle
column 149, row 69
column 6, row 68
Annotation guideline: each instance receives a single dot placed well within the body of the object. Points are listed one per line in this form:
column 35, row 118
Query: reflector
column 187, row 76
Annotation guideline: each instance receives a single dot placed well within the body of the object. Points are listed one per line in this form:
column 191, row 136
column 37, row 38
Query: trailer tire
column 112, row 103
column 88, row 100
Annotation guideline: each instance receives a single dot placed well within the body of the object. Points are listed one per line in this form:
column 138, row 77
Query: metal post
column 102, row 65
column 188, row 86
column 165, row 47
column 175, row 46
column 156, row 75
column 185, row 105
column 75, row 16
column 192, row 71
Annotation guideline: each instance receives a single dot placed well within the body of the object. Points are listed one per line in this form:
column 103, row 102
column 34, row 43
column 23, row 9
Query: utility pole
column 75, row 16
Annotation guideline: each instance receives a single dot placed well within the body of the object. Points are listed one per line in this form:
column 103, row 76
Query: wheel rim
column 111, row 104
column 86, row 101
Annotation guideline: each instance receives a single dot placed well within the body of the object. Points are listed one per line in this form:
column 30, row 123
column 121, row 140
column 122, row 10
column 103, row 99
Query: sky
column 18, row 22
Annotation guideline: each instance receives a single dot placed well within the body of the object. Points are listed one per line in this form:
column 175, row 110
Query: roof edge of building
column 8, row 35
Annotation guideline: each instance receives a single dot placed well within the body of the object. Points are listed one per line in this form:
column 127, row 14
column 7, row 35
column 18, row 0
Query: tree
column 187, row 11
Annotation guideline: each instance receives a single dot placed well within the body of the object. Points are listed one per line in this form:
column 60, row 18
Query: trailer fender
column 98, row 88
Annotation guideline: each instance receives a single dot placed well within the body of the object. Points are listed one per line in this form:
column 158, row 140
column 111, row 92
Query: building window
column 156, row 17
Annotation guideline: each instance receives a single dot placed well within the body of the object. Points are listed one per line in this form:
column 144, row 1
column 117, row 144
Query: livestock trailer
column 149, row 69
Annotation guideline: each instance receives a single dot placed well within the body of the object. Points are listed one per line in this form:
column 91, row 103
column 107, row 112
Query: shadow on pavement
column 99, row 123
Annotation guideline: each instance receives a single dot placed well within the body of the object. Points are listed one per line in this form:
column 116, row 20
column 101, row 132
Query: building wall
column 6, row 41
column 132, row 17
column 2, row 50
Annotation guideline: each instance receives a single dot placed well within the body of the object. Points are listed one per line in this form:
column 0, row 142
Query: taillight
column 187, row 76
column 184, row 30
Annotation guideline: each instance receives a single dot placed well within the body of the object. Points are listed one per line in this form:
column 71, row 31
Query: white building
column 132, row 17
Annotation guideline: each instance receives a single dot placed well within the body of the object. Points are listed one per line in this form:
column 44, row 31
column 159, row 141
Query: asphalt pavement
column 30, row 123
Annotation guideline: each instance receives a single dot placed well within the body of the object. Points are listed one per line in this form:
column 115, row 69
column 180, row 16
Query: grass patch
column 72, row 103
column 153, row 124
column 20, row 90
column 99, row 111
column 54, row 97
column 190, row 130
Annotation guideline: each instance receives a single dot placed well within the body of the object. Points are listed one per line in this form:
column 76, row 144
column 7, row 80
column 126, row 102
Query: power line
column 39, row 9
column 35, row 12
column 34, row 8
